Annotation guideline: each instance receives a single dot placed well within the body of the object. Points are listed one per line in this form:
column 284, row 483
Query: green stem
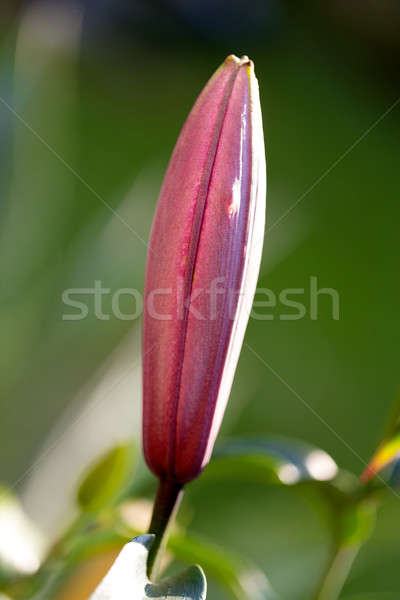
column 337, row 572
column 166, row 504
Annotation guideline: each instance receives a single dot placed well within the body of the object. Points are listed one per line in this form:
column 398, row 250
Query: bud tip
column 243, row 61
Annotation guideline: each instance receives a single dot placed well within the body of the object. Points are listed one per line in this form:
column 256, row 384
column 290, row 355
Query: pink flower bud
column 203, row 262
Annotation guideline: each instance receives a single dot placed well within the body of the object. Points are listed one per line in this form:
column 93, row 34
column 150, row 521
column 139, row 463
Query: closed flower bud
column 203, row 262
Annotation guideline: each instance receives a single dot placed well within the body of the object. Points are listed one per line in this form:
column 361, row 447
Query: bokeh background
column 92, row 98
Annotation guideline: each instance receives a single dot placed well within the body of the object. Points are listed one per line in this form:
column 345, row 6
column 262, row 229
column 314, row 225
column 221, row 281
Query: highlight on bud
column 205, row 247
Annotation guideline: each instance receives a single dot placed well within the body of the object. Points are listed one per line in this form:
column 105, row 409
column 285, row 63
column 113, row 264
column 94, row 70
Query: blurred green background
column 92, row 98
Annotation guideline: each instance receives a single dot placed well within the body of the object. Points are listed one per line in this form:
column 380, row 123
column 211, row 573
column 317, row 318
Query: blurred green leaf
column 353, row 523
column 373, row 596
column 243, row 580
column 357, row 523
column 107, row 478
column 282, row 461
column 65, row 559
column 270, row 460
column 127, row 578
column 92, row 543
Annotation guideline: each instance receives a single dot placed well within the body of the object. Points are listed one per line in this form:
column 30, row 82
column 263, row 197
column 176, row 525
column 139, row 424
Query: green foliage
column 351, row 507
column 270, row 460
column 277, row 461
column 243, row 580
column 373, row 596
column 357, row 523
column 107, row 478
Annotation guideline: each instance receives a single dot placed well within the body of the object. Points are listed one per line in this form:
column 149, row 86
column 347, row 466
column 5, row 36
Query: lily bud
column 203, row 262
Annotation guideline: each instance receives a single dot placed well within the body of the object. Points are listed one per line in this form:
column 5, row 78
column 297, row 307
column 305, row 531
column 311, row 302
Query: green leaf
column 357, row 523
column 107, row 478
column 273, row 460
column 127, row 578
column 353, row 523
column 190, row 585
column 243, row 580
column 373, row 596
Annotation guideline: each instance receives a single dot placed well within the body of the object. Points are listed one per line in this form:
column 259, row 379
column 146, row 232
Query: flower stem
column 337, row 572
column 166, row 504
